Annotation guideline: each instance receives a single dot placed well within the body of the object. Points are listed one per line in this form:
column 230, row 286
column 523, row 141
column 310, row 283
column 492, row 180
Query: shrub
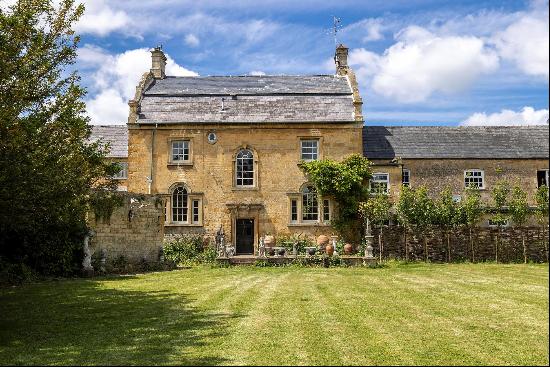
column 188, row 250
column 301, row 240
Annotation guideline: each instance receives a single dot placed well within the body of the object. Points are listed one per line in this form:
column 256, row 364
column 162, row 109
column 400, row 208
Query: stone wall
column 437, row 174
column 135, row 230
column 489, row 244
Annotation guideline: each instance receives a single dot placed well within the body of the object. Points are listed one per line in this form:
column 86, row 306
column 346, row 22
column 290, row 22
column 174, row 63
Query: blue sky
column 421, row 62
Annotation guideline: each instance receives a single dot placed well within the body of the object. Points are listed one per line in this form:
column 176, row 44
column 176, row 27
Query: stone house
column 440, row 157
column 224, row 151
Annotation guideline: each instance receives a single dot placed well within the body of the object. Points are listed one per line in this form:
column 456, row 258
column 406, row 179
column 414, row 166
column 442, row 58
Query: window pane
column 326, row 210
column 473, row 178
column 123, row 173
column 309, row 149
column 406, row 177
column 179, row 204
column 180, row 150
column 310, row 206
column 293, row 210
column 379, row 183
column 245, row 168
column 195, row 211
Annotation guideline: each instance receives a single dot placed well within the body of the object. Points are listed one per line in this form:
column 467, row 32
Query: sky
column 418, row 62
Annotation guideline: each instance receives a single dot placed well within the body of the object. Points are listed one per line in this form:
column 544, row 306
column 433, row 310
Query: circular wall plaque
column 212, row 137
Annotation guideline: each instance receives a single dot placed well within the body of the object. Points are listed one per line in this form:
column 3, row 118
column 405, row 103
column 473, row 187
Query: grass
column 403, row 314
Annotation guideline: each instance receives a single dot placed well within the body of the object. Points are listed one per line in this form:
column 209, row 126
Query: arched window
column 179, row 204
column 244, row 172
column 310, row 204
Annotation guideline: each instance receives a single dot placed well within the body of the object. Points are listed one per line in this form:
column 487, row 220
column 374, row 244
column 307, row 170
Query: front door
column 245, row 236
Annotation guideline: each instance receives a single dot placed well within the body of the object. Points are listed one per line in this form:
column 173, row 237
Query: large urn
column 322, row 242
column 269, row 243
column 348, row 248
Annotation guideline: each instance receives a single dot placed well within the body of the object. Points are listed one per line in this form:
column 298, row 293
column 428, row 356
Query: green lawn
column 406, row 314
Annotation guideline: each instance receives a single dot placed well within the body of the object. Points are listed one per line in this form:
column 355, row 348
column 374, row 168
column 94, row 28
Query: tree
column 416, row 208
column 519, row 211
column 377, row 210
column 541, row 212
column 424, row 214
column 406, row 212
column 472, row 209
column 447, row 215
column 47, row 166
column 345, row 183
column 500, row 200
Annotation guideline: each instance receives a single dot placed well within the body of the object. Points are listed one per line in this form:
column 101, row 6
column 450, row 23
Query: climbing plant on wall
column 345, row 183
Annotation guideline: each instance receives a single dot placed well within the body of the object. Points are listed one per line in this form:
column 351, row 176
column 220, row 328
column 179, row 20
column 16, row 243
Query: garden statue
column 368, row 242
column 261, row 247
column 161, row 254
column 220, row 242
column 103, row 260
column 334, row 238
column 87, row 267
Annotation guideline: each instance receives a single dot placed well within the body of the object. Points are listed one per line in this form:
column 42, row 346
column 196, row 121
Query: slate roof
column 482, row 142
column 116, row 135
column 248, row 99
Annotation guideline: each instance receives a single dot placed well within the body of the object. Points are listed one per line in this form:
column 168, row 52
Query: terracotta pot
column 348, row 248
column 330, row 250
column 322, row 241
column 269, row 241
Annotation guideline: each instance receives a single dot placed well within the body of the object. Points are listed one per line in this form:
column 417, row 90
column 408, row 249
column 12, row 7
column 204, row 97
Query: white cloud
column 422, row 63
column 257, row 73
column 527, row 116
column 108, row 107
column 191, row 40
column 101, row 19
column 116, row 77
column 370, row 29
column 526, row 43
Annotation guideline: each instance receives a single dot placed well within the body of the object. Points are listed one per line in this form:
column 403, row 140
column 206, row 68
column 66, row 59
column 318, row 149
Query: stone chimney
column 158, row 65
column 341, row 59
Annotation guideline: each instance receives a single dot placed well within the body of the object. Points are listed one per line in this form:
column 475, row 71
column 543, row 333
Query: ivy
column 344, row 182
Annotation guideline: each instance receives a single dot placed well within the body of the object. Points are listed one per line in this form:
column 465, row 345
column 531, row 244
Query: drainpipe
column 150, row 178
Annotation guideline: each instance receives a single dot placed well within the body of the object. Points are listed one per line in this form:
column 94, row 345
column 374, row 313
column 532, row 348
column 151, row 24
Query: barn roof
column 115, row 135
column 482, row 142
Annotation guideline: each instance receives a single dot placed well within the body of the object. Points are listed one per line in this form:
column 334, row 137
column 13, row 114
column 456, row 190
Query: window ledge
column 252, row 188
column 182, row 225
column 171, row 164
column 316, row 224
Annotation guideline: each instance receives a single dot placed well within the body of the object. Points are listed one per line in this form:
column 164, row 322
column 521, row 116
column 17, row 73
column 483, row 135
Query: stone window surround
column 483, row 186
column 491, row 224
column 371, row 181
column 406, row 173
column 255, row 158
column 546, row 171
column 310, row 137
column 188, row 162
column 191, row 196
column 300, row 222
